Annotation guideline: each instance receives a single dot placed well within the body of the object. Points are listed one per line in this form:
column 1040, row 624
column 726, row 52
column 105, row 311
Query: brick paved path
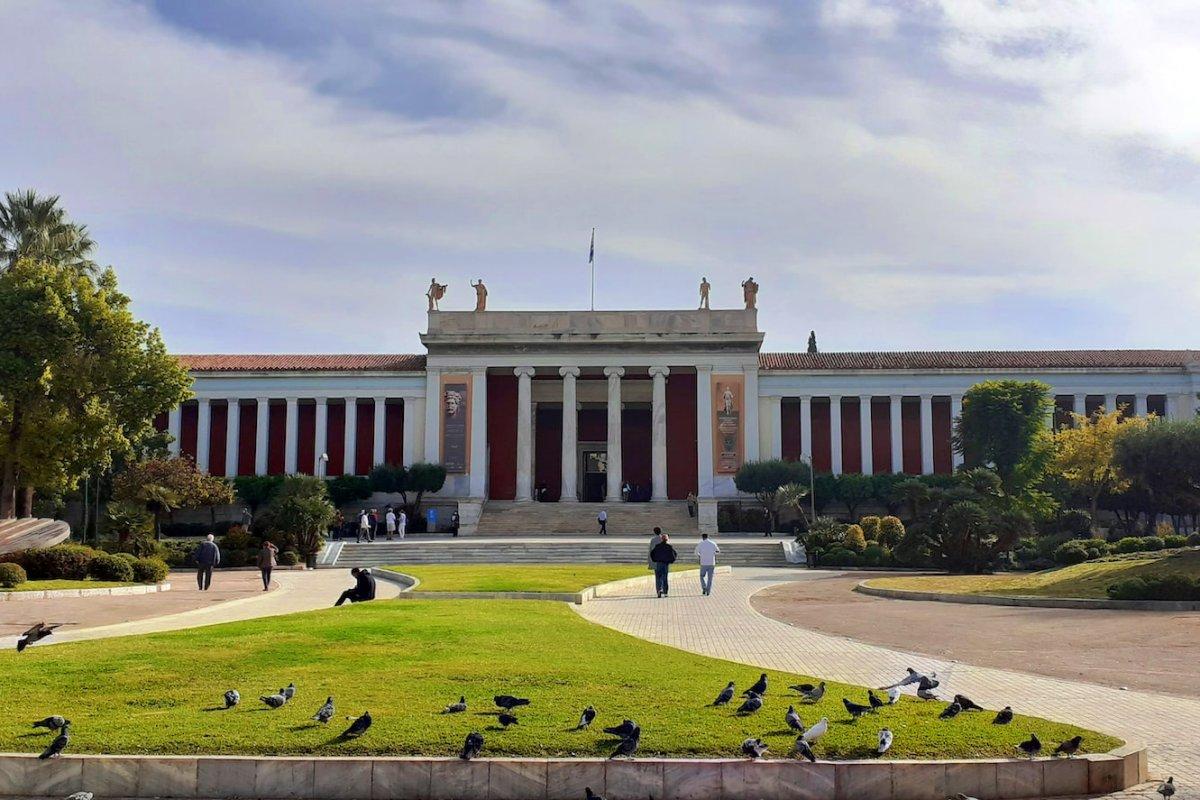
column 725, row 626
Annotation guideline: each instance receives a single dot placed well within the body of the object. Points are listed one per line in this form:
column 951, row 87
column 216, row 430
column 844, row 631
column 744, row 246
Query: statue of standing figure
column 705, row 287
column 480, row 295
column 750, row 292
column 435, row 293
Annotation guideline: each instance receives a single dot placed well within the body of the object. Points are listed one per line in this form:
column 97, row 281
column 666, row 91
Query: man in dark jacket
column 208, row 555
column 663, row 556
column 364, row 587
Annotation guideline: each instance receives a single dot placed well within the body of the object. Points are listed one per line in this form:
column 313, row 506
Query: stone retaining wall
column 564, row 779
column 1028, row 601
column 50, row 594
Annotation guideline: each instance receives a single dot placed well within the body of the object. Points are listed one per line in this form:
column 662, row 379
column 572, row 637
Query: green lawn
column 405, row 661
column 521, row 577
column 1090, row 579
column 39, row 586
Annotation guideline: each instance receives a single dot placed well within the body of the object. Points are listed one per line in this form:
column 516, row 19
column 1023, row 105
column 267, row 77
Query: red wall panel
column 547, row 455
column 851, row 436
column 821, row 453
column 1092, row 403
column 336, row 438
column 910, row 420
column 306, row 451
column 1156, row 404
column 364, row 438
column 789, row 430
column 217, row 422
column 161, row 421
column 593, row 425
column 881, row 435
column 189, row 417
column 247, row 434
column 393, row 435
column 682, row 478
column 276, row 438
column 943, row 462
column 502, row 436
column 636, row 447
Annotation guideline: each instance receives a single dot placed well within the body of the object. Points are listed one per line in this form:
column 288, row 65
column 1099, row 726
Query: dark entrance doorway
column 593, row 474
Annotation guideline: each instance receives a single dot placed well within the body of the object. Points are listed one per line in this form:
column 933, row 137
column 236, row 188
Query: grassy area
column 40, row 586
column 1090, row 579
column 406, row 661
column 521, row 577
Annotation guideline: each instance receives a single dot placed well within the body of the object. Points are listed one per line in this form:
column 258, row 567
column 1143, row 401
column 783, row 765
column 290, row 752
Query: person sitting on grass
column 364, row 587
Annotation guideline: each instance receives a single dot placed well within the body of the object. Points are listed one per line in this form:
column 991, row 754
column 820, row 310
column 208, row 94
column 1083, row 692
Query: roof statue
column 480, row 295
column 750, row 292
column 705, row 287
column 436, row 292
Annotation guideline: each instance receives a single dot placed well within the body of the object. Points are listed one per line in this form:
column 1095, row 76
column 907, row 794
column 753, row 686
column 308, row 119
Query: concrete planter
column 1027, row 601
column 111, row 591
column 369, row 778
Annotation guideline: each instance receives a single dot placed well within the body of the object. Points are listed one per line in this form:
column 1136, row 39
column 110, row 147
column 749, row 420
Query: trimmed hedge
column 1135, row 544
column 1069, row 553
column 150, row 570
column 12, row 575
column 106, row 567
column 289, row 558
column 60, row 562
column 1174, row 540
column 1166, row 587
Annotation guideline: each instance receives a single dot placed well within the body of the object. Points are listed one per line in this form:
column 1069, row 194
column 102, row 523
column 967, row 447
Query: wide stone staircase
column 501, row 518
column 21, row 534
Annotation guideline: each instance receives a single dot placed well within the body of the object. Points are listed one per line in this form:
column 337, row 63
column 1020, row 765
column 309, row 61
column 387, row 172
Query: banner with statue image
column 456, row 423
column 728, row 433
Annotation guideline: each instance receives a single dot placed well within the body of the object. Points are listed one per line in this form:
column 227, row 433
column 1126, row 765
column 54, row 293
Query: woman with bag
column 267, row 562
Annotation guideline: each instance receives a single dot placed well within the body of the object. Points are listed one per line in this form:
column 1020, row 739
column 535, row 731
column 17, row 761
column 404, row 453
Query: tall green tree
column 36, row 227
column 764, row 479
column 1003, row 427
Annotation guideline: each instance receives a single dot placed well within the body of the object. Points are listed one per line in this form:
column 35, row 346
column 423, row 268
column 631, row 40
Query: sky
column 287, row 176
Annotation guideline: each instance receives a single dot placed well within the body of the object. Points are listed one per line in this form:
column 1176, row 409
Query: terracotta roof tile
column 982, row 359
column 357, row 362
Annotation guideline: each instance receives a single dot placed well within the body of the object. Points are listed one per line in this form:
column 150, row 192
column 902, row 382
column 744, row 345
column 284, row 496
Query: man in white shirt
column 389, row 521
column 602, row 518
column 364, row 526
column 402, row 523
column 707, row 551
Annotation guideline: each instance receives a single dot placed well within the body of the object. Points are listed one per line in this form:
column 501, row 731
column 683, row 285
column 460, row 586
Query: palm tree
column 37, row 227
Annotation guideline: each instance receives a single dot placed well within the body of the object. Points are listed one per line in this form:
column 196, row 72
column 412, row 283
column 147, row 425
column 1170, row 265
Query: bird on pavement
column 856, row 710
column 875, row 702
column 801, row 688
column 588, row 794
column 804, row 750
column 629, row 744
column 1070, row 747
column 232, row 698
column 893, row 696
column 759, row 687
column 754, row 748
column 288, row 691
column 60, row 742
column 51, row 723
column 456, row 708
column 885, row 741
column 358, row 727
column 751, row 704
column 472, row 746
column 508, row 702
column 793, row 720
column 585, row 719
column 35, row 634
column 505, row 719
column 725, row 696
column 816, row 731
column 1031, row 746
column 274, row 700
column 623, row 730
column 951, row 711
column 815, row 694
column 1167, row 788
column 325, row 712
column 80, row 796
column 967, row 703
column 1003, row 716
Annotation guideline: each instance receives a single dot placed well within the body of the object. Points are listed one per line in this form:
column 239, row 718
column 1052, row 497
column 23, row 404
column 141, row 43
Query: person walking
column 389, row 521
column 402, row 523
column 267, row 562
column 602, row 518
column 655, row 538
column 707, row 551
column 364, row 587
column 454, row 523
column 373, row 518
column 364, row 526
column 663, row 555
column 208, row 555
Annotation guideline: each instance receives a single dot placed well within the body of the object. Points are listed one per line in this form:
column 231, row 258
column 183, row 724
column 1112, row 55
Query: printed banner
column 727, row 424
column 456, row 423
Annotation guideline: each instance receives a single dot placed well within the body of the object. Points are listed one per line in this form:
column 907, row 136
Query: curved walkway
column 725, row 625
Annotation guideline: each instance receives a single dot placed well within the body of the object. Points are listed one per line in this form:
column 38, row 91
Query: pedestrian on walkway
column 655, row 538
column 373, row 517
column 402, row 523
column 208, row 555
column 602, row 518
column 663, row 555
column 364, row 587
column 454, row 523
column 707, row 551
column 389, row 521
column 267, row 562
column 364, row 526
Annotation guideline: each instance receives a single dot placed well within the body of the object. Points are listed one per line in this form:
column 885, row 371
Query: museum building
column 570, row 407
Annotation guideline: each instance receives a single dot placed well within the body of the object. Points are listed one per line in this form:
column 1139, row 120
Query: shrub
column 130, row 557
column 1193, row 539
column 1163, row 529
column 1093, row 554
column 1070, row 553
column 140, row 546
column 1174, row 540
column 1076, row 522
column 891, row 531
column 1165, row 587
column 1152, row 543
column 150, row 570
column 106, row 567
column 12, row 575
column 179, row 554
column 839, row 557
column 1099, row 545
column 853, row 539
column 1130, row 544
column 288, row 558
column 825, row 533
column 871, row 527
column 60, row 562
column 1026, row 551
column 233, row 558
column 876, row 555
column 238, row 538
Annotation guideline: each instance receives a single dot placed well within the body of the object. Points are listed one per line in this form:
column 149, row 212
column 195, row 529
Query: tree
column 423, row 477
column 914, row 493
column 764, row 479
column 885, row 490
column 301, row 513
column 36, row 227
column 1003, row 427
column 256, row 490
column 345, row 489
column 388, row 479
column 854, row 489
column 81, row 379
column 1162, row 461
column 812, row 341
column 1084, row 454
column 793, row 496
column 162, row 485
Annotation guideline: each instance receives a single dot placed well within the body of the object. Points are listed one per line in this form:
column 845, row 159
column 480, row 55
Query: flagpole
column 592, row 262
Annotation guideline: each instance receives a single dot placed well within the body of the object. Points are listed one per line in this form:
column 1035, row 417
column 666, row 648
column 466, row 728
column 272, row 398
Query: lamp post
column 812, row 487
column 322, row 465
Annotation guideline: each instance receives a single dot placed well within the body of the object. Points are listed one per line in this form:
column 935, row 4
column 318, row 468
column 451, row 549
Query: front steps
column 504, row 517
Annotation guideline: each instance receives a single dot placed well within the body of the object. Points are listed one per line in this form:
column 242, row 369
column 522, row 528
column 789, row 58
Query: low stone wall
column 51, row 594
column 564, row 779
column 1025, row 600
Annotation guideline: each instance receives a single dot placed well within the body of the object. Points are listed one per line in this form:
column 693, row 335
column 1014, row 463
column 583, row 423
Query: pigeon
column 961, row 796
column 507, row 719
column 1070, row 747
column 928, row 683
column 358, row 727
column 629, row 744
column 759, row 687
column 815, row 694
column 623, row 730
column 288, row 691
column 893, row 696
column 60, row 742
column 816, row 731
column 909, row 679
column 35, row 634
column 1004, row 716
column 1031, row 747
column 804, row 750
column 801, row 688
column 588, row 794
column 274, row 700
column 856, row 710
column 325, row 712
column 80, row 796
column 585, row 719
column 232, row 698
column 793, row 720
column 725, row 696
column 472, row 747
column 51, row 723
column 951, row 711
column 456, row 708
column 875, row 702
column 885, row 741
column 967, row 703
column 752, row 703
column 754, row 749
column 1167, row 788
column 508, row 702
column 926, row 694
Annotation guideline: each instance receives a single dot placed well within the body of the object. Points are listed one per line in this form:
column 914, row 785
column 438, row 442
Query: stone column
column 174, row 428
column 750, row 410
column 417, row 404
column 524, row 433
column 658, row 437
column 1140, row 406
column 292, row 436
column 479, row 452
column 350, row 439
column 1080, row 406
column 321, row 435
column 1187, row 405
column 864, row 427
column 614, row 375
column 433, row 416
column 775, row 418
column 835, row 434
column 927, row 434
column 380, row 432
column 1110, row 402
column 233, row 425
column 203, row 430
column 955, row 412
column 569, row 492
column 704, row 442
column 897, row 422
column 806, row 448
column 261, row 430
column 1170, row 403
column 408, row 451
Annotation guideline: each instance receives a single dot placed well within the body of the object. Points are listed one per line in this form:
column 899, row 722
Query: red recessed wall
column 881, row 436
column 247, row 436
column 682, row 455
column 943, row 460
column 548, row 452
column 336, row 439
column 789, row 430
column 364, row 438
column 218, row 420
column 821, row 453
column 593, row 425
column 276, row 443
column 502, row 436
column 306, row 452
column 161, row 421
column 189, row 416
column 851, row 436
column 910, row 419
column 393, row 434
column 636, row 447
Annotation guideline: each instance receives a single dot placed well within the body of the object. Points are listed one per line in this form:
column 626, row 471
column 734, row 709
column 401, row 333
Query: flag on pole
column 592, row 264
column 592, row 249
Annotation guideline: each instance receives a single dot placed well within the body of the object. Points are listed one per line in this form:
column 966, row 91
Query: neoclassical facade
column 603, row 406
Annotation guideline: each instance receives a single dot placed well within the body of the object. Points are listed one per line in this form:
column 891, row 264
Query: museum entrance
column 593, row 472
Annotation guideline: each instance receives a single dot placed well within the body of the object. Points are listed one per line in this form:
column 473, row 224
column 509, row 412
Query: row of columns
column 233, row 420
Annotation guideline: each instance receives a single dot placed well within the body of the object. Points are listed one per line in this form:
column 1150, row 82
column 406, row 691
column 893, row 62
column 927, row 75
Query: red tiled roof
column 982, row 359
column 360, row 362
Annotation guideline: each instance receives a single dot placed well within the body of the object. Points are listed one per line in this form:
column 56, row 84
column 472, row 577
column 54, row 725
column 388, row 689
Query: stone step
column 509, row 518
